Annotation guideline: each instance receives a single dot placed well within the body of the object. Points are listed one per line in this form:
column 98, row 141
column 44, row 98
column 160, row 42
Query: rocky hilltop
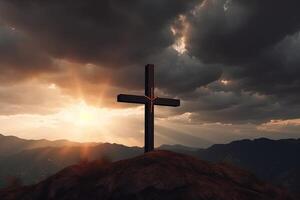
column 157, row 175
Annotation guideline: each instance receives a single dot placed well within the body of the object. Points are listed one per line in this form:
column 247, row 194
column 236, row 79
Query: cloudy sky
column 234, row 64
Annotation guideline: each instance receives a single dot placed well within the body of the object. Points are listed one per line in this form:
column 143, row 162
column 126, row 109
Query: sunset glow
column 61, row 80
column 83, row 115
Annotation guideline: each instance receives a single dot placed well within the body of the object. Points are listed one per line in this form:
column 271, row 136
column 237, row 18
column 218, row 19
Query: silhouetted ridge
column 155, row 175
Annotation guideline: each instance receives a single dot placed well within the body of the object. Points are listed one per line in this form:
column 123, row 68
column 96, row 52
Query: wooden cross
column 149, row 100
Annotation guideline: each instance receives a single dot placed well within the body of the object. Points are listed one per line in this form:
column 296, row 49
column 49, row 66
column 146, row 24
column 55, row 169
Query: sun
column 86, row 115
column 82, row 115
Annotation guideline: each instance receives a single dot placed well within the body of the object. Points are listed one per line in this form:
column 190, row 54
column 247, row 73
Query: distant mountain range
column 10, row 145
column 34, row 160
column 277, row 161
column 159, row 175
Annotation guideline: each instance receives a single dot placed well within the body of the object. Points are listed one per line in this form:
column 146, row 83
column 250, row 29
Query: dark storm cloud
column 276, row 71
column 238, row 107
column 256, row 42
column 115, row 37
column 20, row 59
column 236, row 31
column 174, row 74
column 181, row 74
column 109, row 32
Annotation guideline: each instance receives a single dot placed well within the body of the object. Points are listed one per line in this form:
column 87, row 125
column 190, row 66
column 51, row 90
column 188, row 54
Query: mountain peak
column 154, row 175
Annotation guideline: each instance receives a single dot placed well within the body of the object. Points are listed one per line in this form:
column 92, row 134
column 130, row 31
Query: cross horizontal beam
column 126, row 98
column 149, row 100
column 167, row 102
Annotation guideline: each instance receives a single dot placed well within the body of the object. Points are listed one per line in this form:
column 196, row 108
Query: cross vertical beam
column 149, row 108
column 149, row 100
